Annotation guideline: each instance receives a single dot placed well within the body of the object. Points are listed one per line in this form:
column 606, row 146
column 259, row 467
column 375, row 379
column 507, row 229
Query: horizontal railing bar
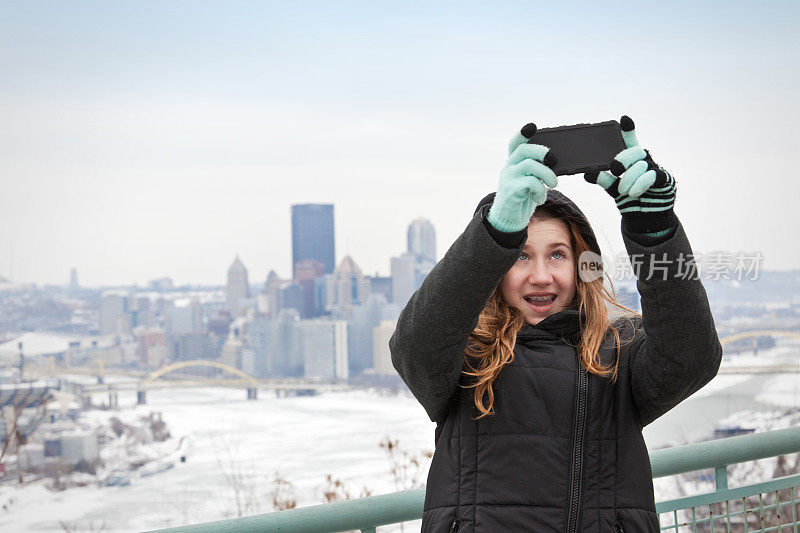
column 721, row 496
column 722, row 452
column 363, row 513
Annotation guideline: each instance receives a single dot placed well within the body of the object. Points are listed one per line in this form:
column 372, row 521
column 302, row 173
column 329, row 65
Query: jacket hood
column 564, row 206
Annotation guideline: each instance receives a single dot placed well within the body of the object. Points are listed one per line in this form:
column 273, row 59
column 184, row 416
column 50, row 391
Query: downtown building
column 409, row 269
column 286, row 346
column 313, row 253
column 115, row 317
column 421, row 239
column 361, row 330
column 313, row 236
column 238, row 287
column 273, row 348
column 324, row 349
column 345, row 289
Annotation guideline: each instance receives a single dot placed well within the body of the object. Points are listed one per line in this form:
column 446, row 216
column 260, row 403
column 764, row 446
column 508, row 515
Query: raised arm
column 428, row 345
column 678, row 350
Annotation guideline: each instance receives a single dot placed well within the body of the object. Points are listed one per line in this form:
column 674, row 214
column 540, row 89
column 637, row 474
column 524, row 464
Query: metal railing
column 755, row 507
column 771, row 505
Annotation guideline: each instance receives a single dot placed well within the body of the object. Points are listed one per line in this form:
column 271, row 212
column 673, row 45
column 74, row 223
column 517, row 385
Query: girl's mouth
column 540, row 301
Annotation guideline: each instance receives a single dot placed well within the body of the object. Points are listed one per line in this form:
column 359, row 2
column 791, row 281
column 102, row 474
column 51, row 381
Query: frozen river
column 303, row 439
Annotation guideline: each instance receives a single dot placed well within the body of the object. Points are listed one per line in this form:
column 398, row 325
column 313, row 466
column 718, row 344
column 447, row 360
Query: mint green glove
column 523, row 182
column 645, row 192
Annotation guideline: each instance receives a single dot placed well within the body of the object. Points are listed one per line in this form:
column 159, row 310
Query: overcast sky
column 148, row 139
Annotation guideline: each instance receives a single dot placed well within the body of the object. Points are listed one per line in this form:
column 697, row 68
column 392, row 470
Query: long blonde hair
column 491, row 344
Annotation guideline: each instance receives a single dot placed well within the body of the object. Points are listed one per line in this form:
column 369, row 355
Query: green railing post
column 721, row 477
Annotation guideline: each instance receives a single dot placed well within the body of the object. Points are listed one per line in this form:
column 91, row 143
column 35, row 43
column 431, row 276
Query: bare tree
column 240, row 480
column 13, row 407
column 406, row 468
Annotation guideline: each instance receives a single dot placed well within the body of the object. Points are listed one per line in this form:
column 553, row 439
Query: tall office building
column 275, row 346
column 144, row 313
column 382, row 357
column 190, row 346
column 184, row 316
column 313, row 235
column 410, row 269
column 324, row 348
column 290, row 296
column 73, row 280
column 306, row 272
column 381, row 285
column 422, row 239
column 345, row 288
column 272, row 289
column 359, row 333
column 152, row 347
column 115, row 314
column 403, row 278
column 238, row 286
column 232, row 352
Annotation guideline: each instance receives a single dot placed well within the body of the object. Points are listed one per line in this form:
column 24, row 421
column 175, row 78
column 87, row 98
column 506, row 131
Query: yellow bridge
column 141, row 382
column 759, row 333
column 288, row 385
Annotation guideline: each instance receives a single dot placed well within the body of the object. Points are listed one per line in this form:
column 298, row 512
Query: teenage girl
column 539, row 392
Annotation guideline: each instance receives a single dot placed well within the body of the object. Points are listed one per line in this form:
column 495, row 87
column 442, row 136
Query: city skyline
column 739, row 266
column 144, row 140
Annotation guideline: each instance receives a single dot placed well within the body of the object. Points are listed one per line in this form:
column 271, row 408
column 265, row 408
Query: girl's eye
column 558, row 255
column 522, row 257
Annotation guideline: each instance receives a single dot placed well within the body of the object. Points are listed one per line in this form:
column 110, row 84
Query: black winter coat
column 564, row 451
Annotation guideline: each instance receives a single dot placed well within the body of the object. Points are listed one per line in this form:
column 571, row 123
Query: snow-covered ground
column 303, row 439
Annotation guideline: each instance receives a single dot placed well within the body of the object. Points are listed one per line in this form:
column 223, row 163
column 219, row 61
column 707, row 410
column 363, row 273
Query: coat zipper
column 577, row 451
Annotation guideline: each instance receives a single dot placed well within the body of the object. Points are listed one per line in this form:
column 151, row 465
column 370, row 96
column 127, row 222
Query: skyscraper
column 183, row 316
column 403, row 278
column 422, row 239
column 306, row 272
column 73, row 280
column 382, row 358
column 410, row 268
column 238, row 286
column 313, row 235
column 115, row 317
column 291, row 296
column 272, row 289
column 324, row 348
column 345, row 288
column 359, row 333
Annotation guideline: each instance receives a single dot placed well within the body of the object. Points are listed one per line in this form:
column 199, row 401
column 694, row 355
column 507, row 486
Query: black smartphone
column 582, row 147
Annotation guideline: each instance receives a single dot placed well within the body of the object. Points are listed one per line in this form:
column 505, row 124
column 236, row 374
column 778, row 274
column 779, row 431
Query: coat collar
column 564, row 324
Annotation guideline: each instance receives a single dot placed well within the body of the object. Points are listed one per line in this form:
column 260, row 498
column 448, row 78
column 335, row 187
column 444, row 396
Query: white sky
column 144, row 139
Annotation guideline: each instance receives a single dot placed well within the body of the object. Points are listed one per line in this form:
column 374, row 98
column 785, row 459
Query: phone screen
column 582, row 147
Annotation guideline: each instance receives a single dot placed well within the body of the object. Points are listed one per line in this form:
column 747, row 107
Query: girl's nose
column 539, row 274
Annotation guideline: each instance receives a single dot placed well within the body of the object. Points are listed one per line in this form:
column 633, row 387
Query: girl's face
column 542, row 281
